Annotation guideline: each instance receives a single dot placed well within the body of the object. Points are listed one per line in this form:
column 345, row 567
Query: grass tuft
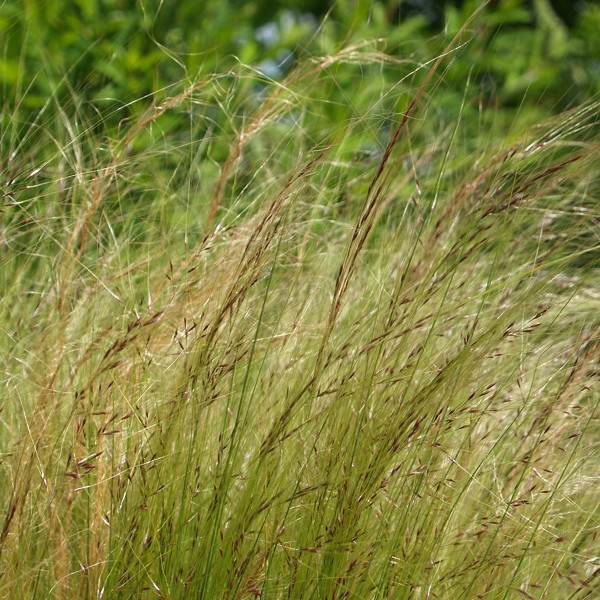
column 252, row 351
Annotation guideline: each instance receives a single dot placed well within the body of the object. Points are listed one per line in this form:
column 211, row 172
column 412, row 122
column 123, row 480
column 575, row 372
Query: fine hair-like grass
column 344, row 361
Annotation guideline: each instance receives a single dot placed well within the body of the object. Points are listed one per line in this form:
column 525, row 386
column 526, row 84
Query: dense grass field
column 334, row 335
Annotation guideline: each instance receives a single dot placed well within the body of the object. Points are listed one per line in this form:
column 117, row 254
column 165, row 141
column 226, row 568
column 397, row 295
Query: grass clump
column 272, row 354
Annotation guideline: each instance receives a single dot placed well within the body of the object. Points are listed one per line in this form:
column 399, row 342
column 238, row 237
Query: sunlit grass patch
column 276, row 354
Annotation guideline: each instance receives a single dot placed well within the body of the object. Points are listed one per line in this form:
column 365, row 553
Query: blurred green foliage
column 108, row 53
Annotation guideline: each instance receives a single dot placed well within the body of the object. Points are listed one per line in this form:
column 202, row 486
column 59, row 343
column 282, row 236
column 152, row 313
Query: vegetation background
column 299, row 299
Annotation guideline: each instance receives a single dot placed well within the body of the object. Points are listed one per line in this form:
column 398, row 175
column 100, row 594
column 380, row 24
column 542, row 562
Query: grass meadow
column 328, row 336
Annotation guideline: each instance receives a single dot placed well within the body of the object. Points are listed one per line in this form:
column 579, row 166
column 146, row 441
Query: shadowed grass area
column 275, row 355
